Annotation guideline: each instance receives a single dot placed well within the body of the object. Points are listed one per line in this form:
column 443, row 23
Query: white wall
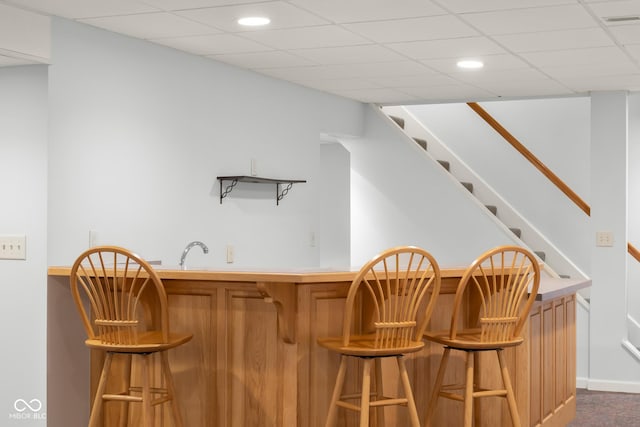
column 401, row 196
column 554, row 130
column 139, row 133
column 335, row 198
column 23, row 196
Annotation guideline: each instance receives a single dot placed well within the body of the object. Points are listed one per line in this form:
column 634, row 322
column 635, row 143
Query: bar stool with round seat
column 123, row 306
column 387, row 308
column 502, row 285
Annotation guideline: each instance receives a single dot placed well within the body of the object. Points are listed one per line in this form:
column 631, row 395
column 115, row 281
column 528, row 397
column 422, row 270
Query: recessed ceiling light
column 254, row 21
column 470, row 64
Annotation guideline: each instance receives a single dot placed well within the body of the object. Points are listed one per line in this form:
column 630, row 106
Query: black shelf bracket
column 235, row 179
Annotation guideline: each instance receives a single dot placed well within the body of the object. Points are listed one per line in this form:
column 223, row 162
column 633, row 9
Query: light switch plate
column 604, row 238
column 13, row 247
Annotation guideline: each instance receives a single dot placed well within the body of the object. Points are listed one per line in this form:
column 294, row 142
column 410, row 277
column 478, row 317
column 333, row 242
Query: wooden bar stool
column 396, row 290
column 502, row 284
column 111, row 287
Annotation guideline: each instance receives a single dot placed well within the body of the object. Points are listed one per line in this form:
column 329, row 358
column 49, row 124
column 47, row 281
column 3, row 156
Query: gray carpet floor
column 603, row 409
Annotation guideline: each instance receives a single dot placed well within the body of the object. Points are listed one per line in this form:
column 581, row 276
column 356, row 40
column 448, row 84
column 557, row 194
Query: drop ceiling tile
column 192, row 4
column 331, row 85
column 406, row 30
column 519, row 76
column 216, row 44
column 555, row 40
column 634, row 50
column 341, row 11
column 534, row 88
column 447, row 93
column 76, row 9
column 467, row 6
column 593, row 83
column 151, row 25
column 270, row 59
column 349, row 54
column 450, row 48
column 416, row 81
column 382, row 96
column 310, row 37
column 591, row 71
column 282, row 15
column 571, row 57
column 299, row 74
column 383, row 69
column 626, row 34
column 531, row 20
column 348, row 71
column 491, row 63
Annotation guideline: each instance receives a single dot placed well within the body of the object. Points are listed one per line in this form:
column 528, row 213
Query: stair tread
column 421, row 142
column 399, row 121
column 541, row 255
column 445, row 164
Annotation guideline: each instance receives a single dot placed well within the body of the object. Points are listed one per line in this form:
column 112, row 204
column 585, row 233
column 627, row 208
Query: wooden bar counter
column 254, row 360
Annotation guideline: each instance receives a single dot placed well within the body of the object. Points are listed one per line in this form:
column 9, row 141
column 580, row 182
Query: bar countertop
column 550, row 287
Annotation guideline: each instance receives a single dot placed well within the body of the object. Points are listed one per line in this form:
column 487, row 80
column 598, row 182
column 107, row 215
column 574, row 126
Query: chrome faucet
column 204, row 247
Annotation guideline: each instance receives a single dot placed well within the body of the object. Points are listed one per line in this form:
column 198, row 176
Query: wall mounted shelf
column 234, row 180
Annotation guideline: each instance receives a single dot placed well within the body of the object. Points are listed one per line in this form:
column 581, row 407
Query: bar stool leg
column 468, row 391
column 379, row 392
column 477, row 413
column 411, row 403
column 96, row 410
column 366, row 393
column 511, row 399
column 435, row 394
column 177, row 417
column 124, row 413
column 147, row 408
column 337, row 391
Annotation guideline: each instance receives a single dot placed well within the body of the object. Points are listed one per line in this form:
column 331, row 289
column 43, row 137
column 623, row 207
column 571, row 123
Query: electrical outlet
column 312, row 239
column 604, row 238
column 229, row 254
column 254, row 167
column 13, row 247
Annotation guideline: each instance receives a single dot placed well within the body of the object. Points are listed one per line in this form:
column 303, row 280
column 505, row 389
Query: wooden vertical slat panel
column 560, row 350
column 252, row 392
column 548, row 360
column 322, row 312
column 570, row 335
column 535, row 342
column 195, row 381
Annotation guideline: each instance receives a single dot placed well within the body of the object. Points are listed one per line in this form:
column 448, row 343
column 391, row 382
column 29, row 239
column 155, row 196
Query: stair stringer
column 555, row 262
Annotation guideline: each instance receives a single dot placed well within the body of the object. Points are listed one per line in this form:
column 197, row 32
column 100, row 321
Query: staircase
column 556, row 263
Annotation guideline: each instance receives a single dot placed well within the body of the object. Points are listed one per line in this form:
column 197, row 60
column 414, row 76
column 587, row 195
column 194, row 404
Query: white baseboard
column 582, row 382
column 613, row 386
